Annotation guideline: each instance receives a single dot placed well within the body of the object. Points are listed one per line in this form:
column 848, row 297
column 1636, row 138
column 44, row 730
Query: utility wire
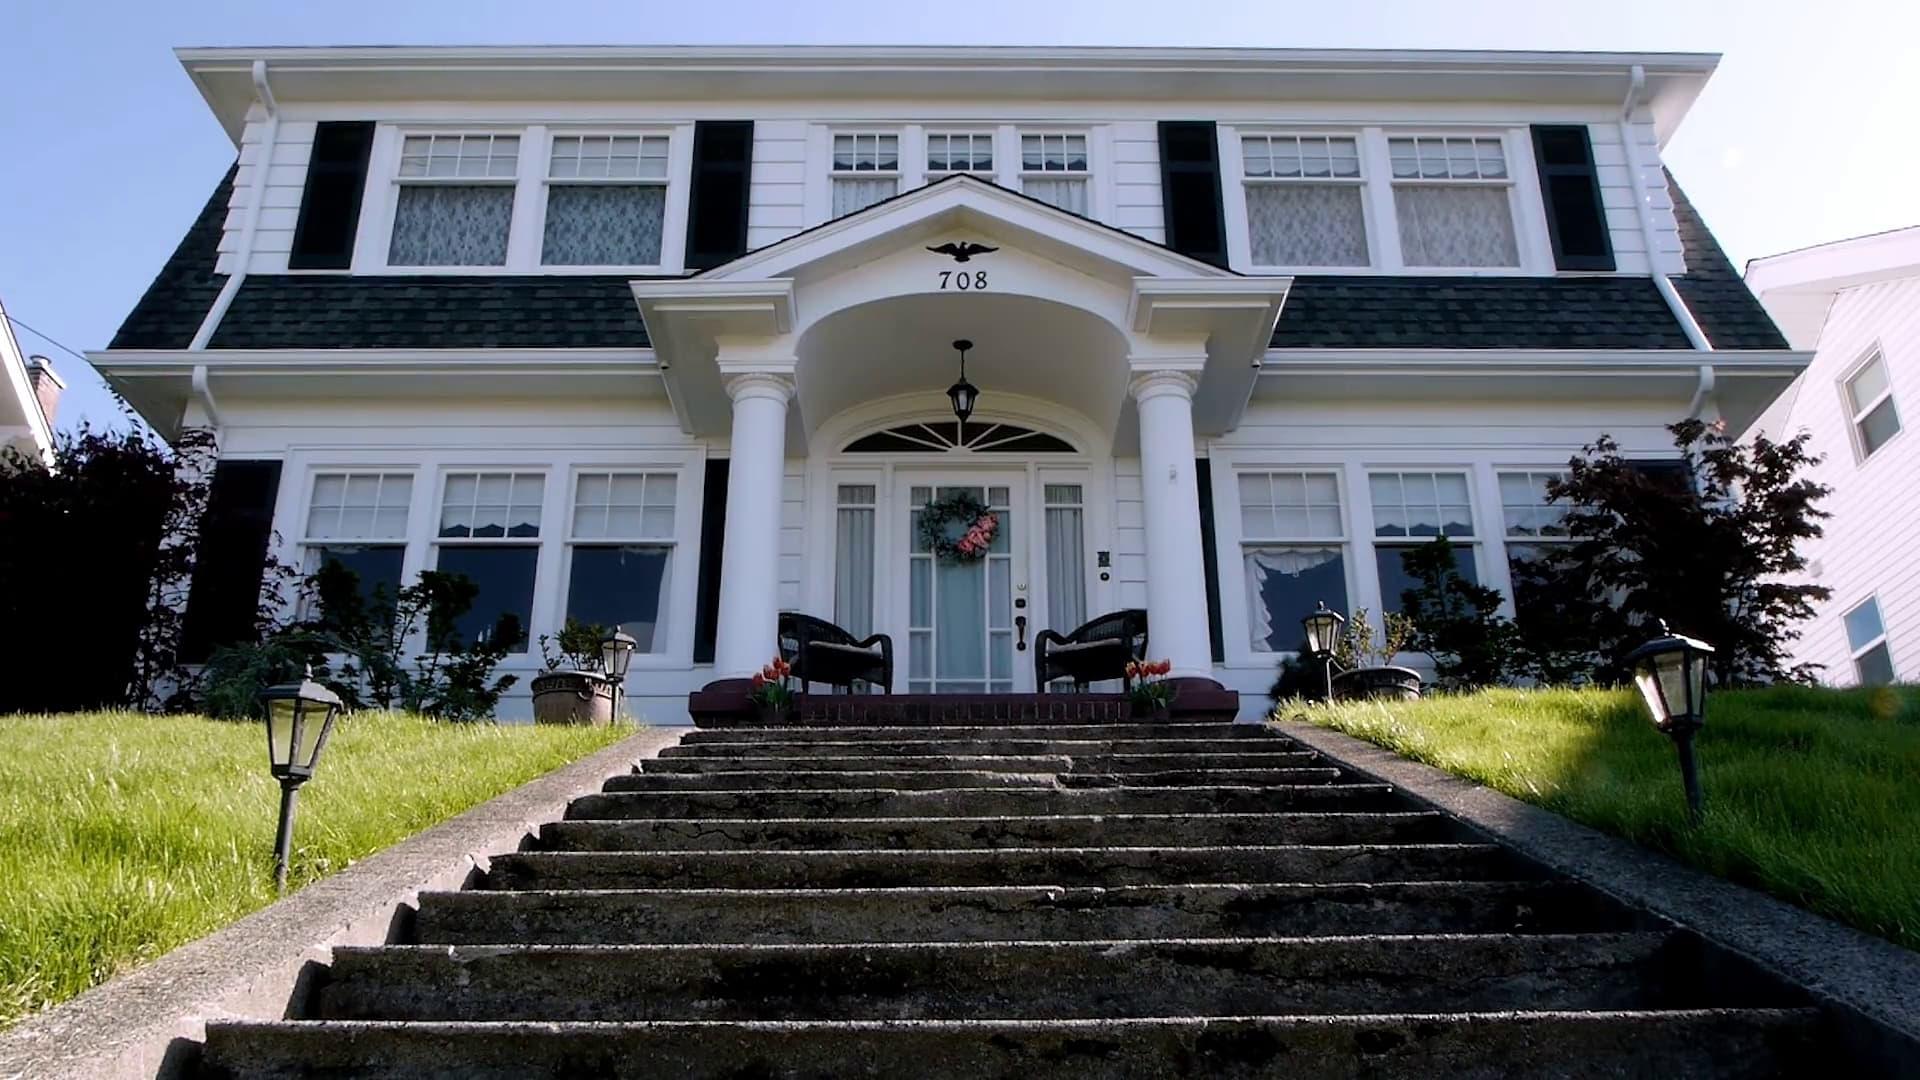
column 75, row 353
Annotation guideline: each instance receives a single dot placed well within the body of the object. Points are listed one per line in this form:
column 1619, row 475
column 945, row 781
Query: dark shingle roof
column 1354, row 312
column 172, row 308
column 1727, row 311
column 278, row 311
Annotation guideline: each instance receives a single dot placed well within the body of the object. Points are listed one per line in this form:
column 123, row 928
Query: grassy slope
column 1812, row 795
column 123, row 836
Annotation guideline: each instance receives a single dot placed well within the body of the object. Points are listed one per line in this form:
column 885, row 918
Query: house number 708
column 963, row 280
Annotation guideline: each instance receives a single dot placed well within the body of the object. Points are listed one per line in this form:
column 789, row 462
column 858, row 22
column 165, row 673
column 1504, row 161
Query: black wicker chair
column 821, row 652
column 1094, row 652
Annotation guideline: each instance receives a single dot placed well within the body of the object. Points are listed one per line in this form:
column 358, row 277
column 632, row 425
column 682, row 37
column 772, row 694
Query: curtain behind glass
column 853, row 561
column 1455, row 226
column 1067, row 194
column 960, row 641
column 451, row 225
column 1283, row 585
column 851, row 194
column 603, row 224
column 1307, row 224
column 1066, row 559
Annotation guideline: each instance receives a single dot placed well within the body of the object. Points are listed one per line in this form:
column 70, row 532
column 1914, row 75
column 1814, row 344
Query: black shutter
column 231, row 557
column 330, row 206
column 1210, row 559
column 1576, row 220
column 713, row 536
column 1190, row 190
column 717, row 205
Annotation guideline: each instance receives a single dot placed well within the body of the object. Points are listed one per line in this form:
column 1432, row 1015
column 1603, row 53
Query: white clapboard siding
column 776, row 201
column 1617, row 197
column 1129, row 535
column 1136, row 180
column 280, row 201
column 793, row 535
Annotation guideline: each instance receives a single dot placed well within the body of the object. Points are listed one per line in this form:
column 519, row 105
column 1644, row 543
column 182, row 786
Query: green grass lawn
column 1812, row 795
column 124, row 835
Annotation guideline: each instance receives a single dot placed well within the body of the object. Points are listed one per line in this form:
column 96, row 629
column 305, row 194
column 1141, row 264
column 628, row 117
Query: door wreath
column 958, row 528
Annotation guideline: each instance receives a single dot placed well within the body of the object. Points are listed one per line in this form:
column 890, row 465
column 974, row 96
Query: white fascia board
column 1402, row 362
column 1840, row 264
column 367, row 361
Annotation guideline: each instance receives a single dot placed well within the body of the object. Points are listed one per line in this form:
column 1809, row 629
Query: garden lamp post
column 300, row 716
column 1671, row 672
column 1323, row 631
column 616, row 653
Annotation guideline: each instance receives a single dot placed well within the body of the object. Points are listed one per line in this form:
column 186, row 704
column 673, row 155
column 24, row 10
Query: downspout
column 1636, row 86
column 256, row 198
column 204, row 393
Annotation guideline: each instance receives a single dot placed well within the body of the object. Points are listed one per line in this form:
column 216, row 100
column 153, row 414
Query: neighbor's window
column 358, row 520
column 606, row 199
column 866, row 170
column 1870, row 401
column 1452, row 197
column 490, row 532
column 1412, row 508
column 622, row 540
column 1304, row 197
column 959, row 152
column 455, row 203
column 1293, row 542
column 1867, row 640
column 1053, row 169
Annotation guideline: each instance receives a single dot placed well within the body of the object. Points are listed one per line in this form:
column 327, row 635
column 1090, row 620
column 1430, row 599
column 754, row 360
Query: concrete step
column 1008, row 913
column 937, row 732
column 1026, row 979
column 1117, row 764
column 921, row 833
column 919, row 748
column 981, row 802
column 1101, row 866
column 1715, row 1044
column 799, row 779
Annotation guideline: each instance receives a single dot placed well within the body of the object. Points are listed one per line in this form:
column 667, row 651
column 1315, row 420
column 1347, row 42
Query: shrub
column 1457, row 622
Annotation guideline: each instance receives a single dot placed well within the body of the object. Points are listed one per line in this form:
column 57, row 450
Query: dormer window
column 1452, row 196
column 1054, row 169
column 606, row 200
column 866, row 170
column 455, row 203
column 1304, row 200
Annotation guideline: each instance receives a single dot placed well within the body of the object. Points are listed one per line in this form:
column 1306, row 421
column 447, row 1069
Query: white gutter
column 204, row 392
column 256, row 198
column 1703, row 393
column 1637, row 85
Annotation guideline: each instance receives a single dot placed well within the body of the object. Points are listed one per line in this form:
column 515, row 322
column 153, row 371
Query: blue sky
column 1806, row 134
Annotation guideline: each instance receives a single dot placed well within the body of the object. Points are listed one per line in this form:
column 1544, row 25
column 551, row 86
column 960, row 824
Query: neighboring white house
column 661, row 336
column 28, row 400
column 1856, row 304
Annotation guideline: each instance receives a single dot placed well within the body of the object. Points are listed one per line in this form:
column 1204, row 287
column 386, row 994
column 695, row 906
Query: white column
column 750, row 558
column 1176, row 574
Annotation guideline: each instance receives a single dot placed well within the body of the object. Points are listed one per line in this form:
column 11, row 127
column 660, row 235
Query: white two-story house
column 662, row 337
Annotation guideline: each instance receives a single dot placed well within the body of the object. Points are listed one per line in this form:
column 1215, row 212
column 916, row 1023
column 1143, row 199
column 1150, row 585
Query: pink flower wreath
column 976, row 524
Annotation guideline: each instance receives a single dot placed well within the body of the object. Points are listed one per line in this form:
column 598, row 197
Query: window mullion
column 1381, row 215
column 529, row 200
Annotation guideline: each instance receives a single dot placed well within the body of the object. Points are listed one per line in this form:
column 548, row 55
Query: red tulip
column 759, row 681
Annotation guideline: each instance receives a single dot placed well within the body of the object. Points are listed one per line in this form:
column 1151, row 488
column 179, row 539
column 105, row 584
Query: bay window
column 1413, row 508
column 490, row 533
column 357, row 521
column 1293, row 543
column 1453, row 197
column 606, row 200
column 1304, row 200
column 454, row 206
column 622, row 541
column 866, row 170
column 1054, row 169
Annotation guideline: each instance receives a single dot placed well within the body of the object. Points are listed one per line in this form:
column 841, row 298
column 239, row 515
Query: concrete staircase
column 939, row 888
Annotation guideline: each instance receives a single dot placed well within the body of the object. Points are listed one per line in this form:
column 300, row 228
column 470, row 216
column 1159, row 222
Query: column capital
column 1163, row 382
column 771, row 385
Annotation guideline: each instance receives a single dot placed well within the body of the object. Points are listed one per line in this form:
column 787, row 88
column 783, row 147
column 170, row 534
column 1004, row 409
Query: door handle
column 1020, row 626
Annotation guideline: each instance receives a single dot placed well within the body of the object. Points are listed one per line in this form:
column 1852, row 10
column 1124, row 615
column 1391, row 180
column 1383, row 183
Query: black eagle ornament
column 962, row 251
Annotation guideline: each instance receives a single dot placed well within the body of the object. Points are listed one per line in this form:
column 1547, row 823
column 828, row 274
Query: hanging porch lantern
column 963, row 394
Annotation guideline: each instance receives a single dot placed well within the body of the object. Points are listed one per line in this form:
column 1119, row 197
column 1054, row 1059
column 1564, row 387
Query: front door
column 968, row 621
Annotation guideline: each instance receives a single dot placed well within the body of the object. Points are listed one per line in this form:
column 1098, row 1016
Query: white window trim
column 1239, row 222
column 1231, row 542
column 663, row 627
column 1483, row 543
column 1861, row 455
column 374, row 237
column 1525, row 256
column 1093, row 174
column 988, row 131
column 676, row 183
column 1853, row 654
column 907, row 174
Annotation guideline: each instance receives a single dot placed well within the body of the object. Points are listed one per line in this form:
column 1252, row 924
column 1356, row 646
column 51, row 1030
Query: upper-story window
column 1054, row 169
column 455, row 203
column 1867, row 643
column 1452, row 196
column 1870, row 405
column 1304, row 200
column 866, row 170
column 606, row 200
column 950, row 152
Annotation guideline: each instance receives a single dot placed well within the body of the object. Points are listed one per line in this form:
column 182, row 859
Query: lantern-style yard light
column 616, row 654
column 1671, row 672
column 963, row 394
column 300, row 716
column 1323, row 633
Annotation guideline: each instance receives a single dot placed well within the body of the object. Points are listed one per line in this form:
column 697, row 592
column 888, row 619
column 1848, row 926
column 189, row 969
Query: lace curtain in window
column 451, row 225
column 1067, row 194
column 850, row 195
column 604, row 225
column 1455, row 225
column 1307, row 225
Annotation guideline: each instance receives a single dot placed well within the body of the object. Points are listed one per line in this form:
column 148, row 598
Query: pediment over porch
column 1059, row 307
